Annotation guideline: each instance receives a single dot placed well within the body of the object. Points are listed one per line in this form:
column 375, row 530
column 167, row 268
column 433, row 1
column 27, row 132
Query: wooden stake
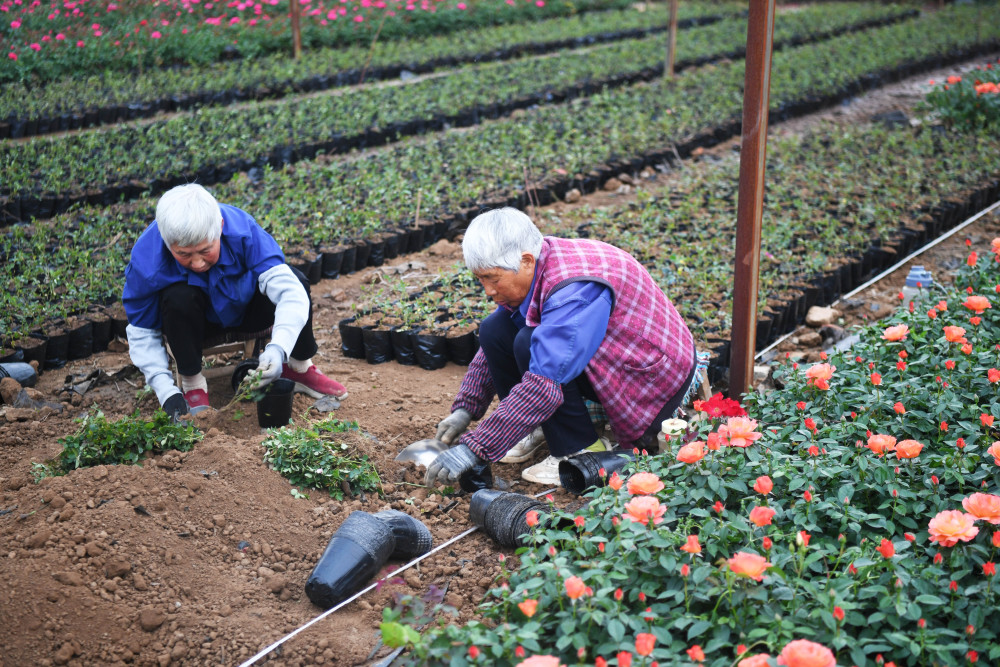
column 296, row 15
column 750, row 204
column 668, row 67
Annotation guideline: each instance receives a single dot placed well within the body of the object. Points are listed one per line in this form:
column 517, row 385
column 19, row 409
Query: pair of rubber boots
column 359, row 549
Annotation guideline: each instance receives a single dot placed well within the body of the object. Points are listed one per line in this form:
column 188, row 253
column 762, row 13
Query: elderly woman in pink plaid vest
column 577, row 320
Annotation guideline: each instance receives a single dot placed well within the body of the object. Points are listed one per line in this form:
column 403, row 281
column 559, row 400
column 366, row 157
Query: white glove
column 453, row 426
column 269, row 364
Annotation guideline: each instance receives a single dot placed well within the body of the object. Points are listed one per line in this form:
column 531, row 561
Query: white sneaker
column 525, row 447
column 546, row 472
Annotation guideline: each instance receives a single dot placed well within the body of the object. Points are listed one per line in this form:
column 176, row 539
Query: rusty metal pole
column 296, row 14
column 671, row 41
column 749, row 207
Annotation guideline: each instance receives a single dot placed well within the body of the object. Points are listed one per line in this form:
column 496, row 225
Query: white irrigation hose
column 354, row 597
column 892, row 268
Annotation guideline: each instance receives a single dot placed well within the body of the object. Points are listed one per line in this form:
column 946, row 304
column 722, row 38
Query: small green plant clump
column 99, row 441
column 967, row 102
column 314, row 457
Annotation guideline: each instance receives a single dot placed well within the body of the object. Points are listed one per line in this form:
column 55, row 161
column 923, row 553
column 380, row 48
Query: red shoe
column 314, row 383
column 197, row 400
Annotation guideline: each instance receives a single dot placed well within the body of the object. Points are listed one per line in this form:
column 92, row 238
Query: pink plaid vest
column 647, row 352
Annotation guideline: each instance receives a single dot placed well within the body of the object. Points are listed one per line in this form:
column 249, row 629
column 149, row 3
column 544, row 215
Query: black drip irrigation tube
column 47, row 205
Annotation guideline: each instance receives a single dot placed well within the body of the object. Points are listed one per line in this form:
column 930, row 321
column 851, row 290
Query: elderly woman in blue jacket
column 201, row 269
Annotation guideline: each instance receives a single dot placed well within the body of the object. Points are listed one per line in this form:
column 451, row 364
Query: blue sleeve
column 262, row 252
column 574, row 322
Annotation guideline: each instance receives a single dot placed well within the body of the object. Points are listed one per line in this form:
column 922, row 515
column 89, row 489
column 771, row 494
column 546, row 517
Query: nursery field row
column 58, row 269
column 56, row 41
column 73, row 102
column 846, row 517
column 132, row 159
column 840, row 205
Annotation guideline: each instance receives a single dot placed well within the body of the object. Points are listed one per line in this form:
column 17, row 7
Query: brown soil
column 201, row 558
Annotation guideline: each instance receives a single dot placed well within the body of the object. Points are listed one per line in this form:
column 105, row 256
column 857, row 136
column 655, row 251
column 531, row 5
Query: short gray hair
column 497, row 239
column 188, row 215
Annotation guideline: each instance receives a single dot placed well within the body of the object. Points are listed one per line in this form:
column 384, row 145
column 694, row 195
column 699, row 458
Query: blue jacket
column 246, row 252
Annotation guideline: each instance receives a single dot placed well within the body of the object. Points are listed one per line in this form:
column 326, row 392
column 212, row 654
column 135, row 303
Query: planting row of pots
column 54, row 42
column 907, row 187
column 39, row 172
column 548, row 150
column 848, row 517
column 75, row 102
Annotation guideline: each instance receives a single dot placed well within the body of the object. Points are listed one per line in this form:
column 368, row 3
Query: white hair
column 188, row 215
column 497, row 239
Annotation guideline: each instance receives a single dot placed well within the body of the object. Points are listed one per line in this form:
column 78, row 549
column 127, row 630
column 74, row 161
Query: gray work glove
column 269, row 364
column 449, row 465
column 176, row 408
column 453, row 426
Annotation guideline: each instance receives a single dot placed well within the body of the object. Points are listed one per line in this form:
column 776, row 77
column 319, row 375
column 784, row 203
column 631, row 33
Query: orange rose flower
column 696, row 654
column 763, row 485
column 819, row 375
column 983, row 506
column 759, row 660
column 692, row 546
column 745, row 564
column 954, row 334
column 644, row 484
column 528, row 607
column 575, row 588
column 950, row 527
column 804, row 653
column 615, row 482
column 761, row 516
column 739, row 431
column 644, row 643
column 908, row 449
column 691, row 452
column 977, row 304
column 645, row 510
column 896, row 333
column 880, row 444
column 993, row 375
column 994, row 451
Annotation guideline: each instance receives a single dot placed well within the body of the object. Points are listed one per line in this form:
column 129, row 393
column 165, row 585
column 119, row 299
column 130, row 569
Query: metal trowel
column 422, row 452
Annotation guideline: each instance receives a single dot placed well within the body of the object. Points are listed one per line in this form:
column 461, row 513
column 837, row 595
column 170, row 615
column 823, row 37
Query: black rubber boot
column 356, row 552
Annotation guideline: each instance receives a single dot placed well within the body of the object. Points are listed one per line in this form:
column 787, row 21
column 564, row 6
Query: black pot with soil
column 462, row 345
column 34, row 348
column 352, row 344
column 332, row 259
column 403, row 346
column 431, row 350
column 81, row 338
column 377, row 344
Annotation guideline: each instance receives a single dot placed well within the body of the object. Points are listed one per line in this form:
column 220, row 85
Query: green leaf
column 397, row 635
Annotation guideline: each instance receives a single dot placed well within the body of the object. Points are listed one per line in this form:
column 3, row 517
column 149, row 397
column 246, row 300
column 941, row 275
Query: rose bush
column 868, row 557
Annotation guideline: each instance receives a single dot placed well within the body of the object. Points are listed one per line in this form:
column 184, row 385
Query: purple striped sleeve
column 477, row 391
column 533, row 400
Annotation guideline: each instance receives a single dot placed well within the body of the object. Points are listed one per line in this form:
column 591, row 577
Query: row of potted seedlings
column 427, row 328
column 359, row 118
column 318, row 200
column 131, row 36
column 73, row 102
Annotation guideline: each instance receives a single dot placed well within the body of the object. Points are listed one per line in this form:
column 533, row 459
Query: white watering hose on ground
column 916, row 253
column 372, row 586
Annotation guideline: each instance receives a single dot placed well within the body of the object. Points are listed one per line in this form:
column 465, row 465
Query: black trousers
column 186, row 328
column 569, row 429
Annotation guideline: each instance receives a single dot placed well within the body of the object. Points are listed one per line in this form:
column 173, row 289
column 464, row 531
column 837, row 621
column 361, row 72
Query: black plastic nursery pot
column 462, row 348
column 352, row 344
column 583, row 471
column 377, row 344
column 34, row 348
column 332, row 258
column 274, row 409
column 503, row 515
column 431, row 351
column 101, row 329
column 349, row 262
column 57, row 351
column 403, row 346
column 81, row 340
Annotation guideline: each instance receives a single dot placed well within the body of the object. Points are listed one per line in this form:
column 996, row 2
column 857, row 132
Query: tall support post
column 749, row 207
column 296, row 16
column 668, row 67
